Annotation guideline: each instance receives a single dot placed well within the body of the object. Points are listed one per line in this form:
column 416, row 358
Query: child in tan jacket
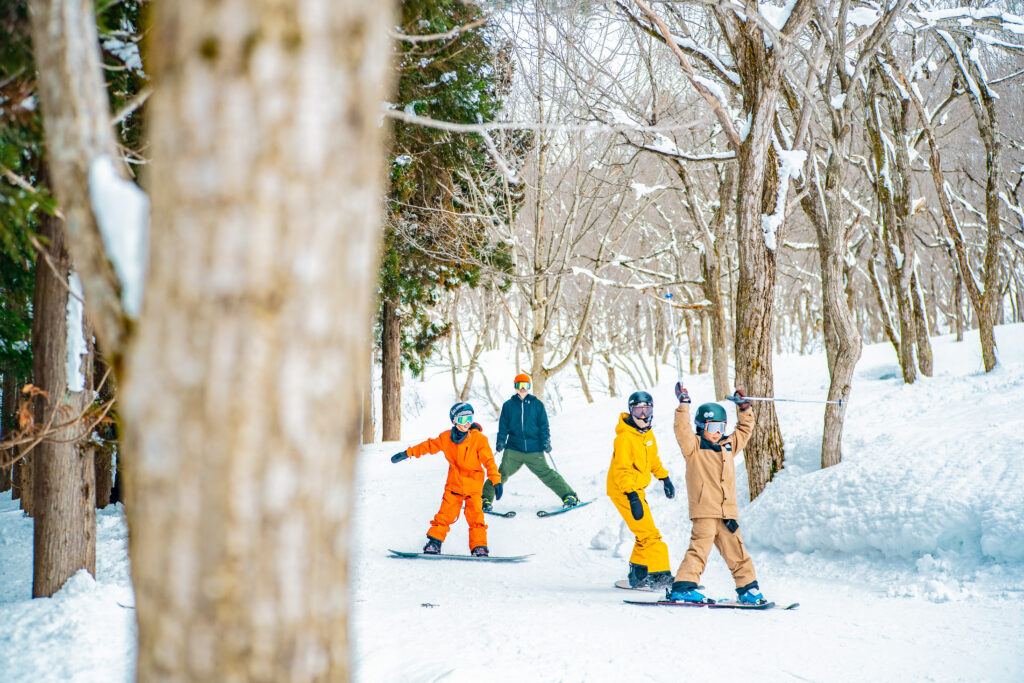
column 711, row 488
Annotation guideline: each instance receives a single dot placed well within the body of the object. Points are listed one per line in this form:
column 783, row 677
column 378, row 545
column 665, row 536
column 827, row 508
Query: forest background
column 594, row 187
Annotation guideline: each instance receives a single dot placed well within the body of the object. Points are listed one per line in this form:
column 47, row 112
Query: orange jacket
column 466, row 461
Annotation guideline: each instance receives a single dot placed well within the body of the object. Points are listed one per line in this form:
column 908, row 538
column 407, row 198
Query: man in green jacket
column 525, row 437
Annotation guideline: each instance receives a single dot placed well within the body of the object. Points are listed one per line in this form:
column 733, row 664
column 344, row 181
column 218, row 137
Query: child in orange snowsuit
column 468, row 454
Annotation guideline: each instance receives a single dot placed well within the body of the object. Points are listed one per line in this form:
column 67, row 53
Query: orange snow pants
column 707, row 531
column 451, row 504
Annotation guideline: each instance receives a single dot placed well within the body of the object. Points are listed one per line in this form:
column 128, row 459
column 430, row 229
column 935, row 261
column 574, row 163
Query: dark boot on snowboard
column 480, row 551
column 433, row 546
column 638, row 576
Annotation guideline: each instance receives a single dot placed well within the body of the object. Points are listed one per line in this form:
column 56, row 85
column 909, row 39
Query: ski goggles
column 464, row 419
column 642, row 412
column 714, row 427
column 522, row 385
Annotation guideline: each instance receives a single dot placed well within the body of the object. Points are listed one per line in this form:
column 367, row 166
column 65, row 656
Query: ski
column 508, row 515
column 549, row 513
column 470, row 558
column 723, row 604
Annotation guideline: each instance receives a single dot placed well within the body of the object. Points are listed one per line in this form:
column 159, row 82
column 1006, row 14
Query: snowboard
column 624, row 583
column 471, row 558
column 510, row 514
column 550, row 513
column 721, row 604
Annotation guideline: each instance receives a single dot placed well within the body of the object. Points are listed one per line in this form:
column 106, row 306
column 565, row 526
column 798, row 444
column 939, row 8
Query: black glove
column 635, row 506
column 745, row 404
column 497, row 491
column 399, row 456
column 732, row 525
column 681, row 393
column 670, row 490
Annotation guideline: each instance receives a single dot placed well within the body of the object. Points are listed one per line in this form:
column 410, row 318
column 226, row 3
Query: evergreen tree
column 430, row 243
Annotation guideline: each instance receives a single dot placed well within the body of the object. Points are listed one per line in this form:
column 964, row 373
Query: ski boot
column 480, row 551
column 570, row 500
column 750, row 595
column 433, row 546
column 685, row 591
column 638, row 576
column 487, row 505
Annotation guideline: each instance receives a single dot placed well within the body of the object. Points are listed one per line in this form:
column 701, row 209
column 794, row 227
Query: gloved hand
column 670, row 490
column 399, row 456
column 681, row 393
column 497, row 491
column 746, row 404
column 635, row 506
column 548, row 450
column 732, row 525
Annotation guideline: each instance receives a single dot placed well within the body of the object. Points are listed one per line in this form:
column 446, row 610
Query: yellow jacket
column 634, row 460
column 710, row 472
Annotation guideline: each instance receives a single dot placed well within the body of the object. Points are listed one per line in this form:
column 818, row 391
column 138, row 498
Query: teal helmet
column 709, row 412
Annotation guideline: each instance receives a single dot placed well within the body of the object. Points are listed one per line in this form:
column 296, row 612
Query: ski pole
column 675, row 342
column 742, row 399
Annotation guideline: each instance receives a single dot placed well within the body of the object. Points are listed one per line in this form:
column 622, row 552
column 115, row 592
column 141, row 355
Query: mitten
column 745, row 404
column 670, row 490
column 635, row 506
column 681, row 393
column 497, row 491
column 399, row 456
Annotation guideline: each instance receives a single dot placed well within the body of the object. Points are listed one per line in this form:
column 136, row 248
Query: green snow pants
column 512, row 460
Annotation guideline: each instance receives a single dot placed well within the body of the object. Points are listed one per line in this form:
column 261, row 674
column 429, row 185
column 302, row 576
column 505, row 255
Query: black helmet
column 638, row 397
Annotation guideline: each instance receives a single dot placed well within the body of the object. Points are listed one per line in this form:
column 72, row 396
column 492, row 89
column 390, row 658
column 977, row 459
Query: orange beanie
column 522, row 377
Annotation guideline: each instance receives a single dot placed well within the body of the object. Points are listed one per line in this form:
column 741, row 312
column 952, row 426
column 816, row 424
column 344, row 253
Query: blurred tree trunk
column 76, row 118
column 64, row 538
column 254, row 330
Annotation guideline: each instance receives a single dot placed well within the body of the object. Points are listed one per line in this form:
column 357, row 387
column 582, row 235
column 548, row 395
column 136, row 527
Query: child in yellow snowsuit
column 634, row 460
column 469, row 455
column 711, row 488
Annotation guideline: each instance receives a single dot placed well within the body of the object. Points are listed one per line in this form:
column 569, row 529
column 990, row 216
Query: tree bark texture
column 76, row 117
column 240, row 397
column 64, row 535
column 391, row 373
column 922, row 341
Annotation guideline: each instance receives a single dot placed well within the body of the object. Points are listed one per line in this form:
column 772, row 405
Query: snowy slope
column 907, row 558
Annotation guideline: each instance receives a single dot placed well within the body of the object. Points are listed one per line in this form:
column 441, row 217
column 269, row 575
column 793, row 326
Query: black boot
column 638, row 575
column 433, row 546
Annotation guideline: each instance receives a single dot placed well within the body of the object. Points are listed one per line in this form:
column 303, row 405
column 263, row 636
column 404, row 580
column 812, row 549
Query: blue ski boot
column 750, row 594
column 685, row 591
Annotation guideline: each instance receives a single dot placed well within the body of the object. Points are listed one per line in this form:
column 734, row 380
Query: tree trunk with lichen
column 254, row 328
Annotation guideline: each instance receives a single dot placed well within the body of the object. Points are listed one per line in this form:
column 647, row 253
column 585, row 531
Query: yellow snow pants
column 648, row 550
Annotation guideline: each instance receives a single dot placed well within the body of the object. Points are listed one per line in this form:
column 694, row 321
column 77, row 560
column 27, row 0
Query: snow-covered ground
column 907, row 559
